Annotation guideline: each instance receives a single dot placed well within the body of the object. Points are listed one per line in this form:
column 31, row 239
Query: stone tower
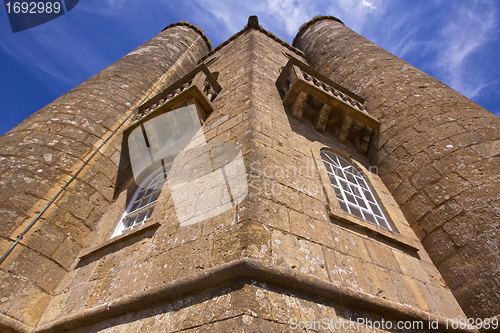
column 258, row 186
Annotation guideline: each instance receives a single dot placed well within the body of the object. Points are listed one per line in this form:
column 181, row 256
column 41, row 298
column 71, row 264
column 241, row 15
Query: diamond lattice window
column 143, row 202
column 352, row 191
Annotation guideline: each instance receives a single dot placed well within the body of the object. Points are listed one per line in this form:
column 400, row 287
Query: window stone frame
column 397, row 221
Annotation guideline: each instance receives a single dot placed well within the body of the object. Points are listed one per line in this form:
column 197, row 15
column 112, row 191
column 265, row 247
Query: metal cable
column 93, row 154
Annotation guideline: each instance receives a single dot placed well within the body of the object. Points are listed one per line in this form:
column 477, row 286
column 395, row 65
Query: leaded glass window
column 143, row 202
column 351, row 189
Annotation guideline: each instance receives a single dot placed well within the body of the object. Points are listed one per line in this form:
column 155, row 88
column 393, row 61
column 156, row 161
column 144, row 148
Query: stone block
column 67, row 253
column 446, row 188
column 411, row 267
column 37, row 268
column 54, row 309
column 30, row 305
column 311, row 229
column 380, row 282
column 440, row 215
column 43, row 238
column 426, row 175
column 298, row 254
column 349, row 243
column 9, row 221
column 130, row 279
column 416, row 207
column 180, row 261
column 404, row 192
column 314, row 208
column 264, row 211
column 439, row 246
column 68, row 225
column 11, row 287
column 382, row 255
column 247, row 239
column 90, row 294
column 346, row 271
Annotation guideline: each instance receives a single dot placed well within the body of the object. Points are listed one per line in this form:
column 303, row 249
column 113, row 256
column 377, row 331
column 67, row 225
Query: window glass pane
column 155, row 196
column 337, row 172
column 355, row 190
column 144, row 202
column 332, row 179
column 370, row 217
column 375, row 209
column 135, row 205
column 337, row 192
column 382, row 222
column 361, row 183
column 355, row 211
column 350, row 177
column 368, row 195
column 343, row 162
column 361, row 202
column 140, row 218
column 344, row 186
column 350, row 197
column 127, row 222
column 343, row 206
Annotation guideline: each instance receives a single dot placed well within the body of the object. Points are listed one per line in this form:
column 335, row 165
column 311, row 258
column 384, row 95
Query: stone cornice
column 255, row 270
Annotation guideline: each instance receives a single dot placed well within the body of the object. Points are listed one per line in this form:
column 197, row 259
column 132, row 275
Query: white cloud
column 368, row 4
column 470, row 28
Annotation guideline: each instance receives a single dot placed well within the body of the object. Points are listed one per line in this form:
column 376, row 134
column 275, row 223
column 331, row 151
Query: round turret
column 437, row 153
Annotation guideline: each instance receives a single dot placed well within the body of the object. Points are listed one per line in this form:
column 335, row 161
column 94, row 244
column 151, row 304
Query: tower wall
column 437, row 153
column 273, row 258
column 44, row 151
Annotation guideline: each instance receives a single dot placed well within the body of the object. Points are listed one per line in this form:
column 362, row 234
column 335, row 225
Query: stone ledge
column 112, row 241
column 11, row 325
column 372, row 228
column 253, row 269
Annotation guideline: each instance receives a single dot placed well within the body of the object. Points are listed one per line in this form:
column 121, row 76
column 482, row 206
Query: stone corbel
column 298, row 105
column 322, row 117
column 365, row 142
column 345, row 128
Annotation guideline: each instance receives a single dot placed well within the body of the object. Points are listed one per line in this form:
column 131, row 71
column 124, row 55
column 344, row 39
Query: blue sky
column 458, row 42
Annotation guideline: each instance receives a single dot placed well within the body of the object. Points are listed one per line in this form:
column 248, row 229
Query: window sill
column 340, row 214
column 118, row 239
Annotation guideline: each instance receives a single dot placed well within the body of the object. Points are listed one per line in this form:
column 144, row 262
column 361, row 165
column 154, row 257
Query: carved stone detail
column 298, row 105
column 198, row 87
column 322, row 117
column 309, row 93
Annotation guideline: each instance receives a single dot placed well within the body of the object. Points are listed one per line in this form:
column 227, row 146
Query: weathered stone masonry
column 39, row 155
column 286, row 253
column 437, row 152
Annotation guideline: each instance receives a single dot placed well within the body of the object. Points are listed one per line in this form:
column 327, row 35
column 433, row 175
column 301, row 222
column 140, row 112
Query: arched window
column 143, row 202
column 351, row 189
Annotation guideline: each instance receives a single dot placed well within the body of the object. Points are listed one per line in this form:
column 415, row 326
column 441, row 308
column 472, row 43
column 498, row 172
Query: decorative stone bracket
column 199, row 87
column 328, row 104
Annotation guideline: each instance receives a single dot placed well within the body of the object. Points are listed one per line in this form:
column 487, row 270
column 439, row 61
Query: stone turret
column 437, row 153
column 43, row 152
